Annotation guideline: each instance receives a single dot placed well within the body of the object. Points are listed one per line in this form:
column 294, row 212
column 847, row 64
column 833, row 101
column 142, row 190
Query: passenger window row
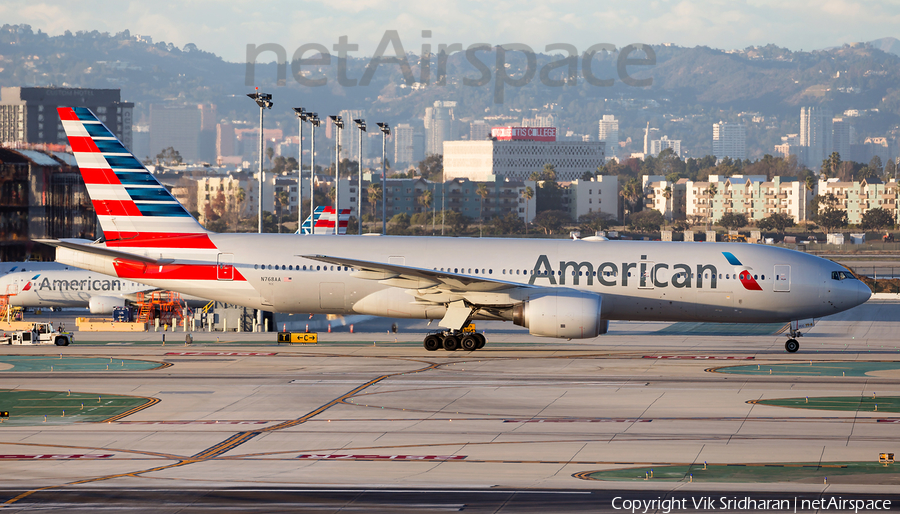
column 291, row 267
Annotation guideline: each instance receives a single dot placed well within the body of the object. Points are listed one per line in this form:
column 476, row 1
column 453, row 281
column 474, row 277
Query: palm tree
column 667, row 194
column 283, row 199
column 527, row 194
column 482, row 192
column 631, row 193
column 425, row 198
column 375, row 194
column 710, row 191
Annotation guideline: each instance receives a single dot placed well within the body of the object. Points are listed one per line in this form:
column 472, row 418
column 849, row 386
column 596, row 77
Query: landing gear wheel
column 432, row 342
column 481, row 341
column 791, row 345
column 451, row 343
column 470, row 342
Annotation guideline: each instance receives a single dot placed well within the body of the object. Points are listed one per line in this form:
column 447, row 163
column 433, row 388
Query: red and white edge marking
column 233, row 354
column 57, row 456
column 700, row 357
column 192, row 422
column 333, row 456
column 577, row 420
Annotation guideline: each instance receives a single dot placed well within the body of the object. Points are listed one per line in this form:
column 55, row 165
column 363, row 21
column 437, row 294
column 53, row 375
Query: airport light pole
column 264, row 101
column 338, row 122
column 361, row 125
column 385, row 132
column 313, row 119
column 301, row 116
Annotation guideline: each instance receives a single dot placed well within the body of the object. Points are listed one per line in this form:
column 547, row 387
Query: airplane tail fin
column 322, row 221
column 134, row 209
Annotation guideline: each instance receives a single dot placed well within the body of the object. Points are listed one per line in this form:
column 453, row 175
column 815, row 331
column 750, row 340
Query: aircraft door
column 225, row 266
column 782, row 282
column 331, row 296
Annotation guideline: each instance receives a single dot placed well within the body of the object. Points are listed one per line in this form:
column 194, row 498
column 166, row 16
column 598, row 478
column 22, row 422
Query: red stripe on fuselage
column 158, row 240
column 116, row 208
column 99, row 176
column 140, row 271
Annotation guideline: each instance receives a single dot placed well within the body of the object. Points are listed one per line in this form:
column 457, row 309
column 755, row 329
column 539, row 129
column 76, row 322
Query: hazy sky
column 225, row 28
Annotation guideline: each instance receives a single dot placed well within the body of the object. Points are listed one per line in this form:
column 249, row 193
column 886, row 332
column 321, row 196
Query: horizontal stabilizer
column 103, row 250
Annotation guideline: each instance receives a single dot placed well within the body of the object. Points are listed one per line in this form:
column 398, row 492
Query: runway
column 360, row 422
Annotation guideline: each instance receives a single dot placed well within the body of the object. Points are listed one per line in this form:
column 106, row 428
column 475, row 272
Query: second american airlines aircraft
column 555, row 288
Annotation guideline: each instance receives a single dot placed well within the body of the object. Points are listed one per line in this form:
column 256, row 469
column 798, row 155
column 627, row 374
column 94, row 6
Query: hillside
column 692, row 87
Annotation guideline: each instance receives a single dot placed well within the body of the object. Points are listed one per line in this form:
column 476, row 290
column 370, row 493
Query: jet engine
column 561, row 313
column 105, row 304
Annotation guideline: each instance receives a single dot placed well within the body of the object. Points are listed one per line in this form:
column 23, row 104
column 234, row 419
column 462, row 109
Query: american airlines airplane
column 71, row 287
column 556, row 288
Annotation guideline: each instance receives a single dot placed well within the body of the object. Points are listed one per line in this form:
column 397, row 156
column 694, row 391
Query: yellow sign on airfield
column 298, row 337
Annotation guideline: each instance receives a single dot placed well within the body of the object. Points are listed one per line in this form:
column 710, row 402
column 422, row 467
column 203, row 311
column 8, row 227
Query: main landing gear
column 452, row 340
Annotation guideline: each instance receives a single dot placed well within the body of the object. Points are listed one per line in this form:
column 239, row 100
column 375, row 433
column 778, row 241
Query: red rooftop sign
column 524, row 133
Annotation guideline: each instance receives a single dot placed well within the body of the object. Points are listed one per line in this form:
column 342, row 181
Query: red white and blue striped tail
column 134, row 209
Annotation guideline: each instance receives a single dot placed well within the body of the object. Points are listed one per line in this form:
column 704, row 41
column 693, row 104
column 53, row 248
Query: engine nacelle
column 105, row 304
column 561, row 313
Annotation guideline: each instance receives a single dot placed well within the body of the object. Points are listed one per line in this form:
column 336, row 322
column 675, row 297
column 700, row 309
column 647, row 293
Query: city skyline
column 802, row 25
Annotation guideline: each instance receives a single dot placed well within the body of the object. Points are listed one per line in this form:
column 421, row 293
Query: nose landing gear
column 791, row 346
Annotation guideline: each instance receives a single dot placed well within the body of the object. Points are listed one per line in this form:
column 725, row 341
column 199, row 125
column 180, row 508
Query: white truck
column 42, row 333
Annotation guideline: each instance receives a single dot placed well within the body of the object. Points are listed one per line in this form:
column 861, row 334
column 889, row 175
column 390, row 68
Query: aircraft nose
column 863, row 292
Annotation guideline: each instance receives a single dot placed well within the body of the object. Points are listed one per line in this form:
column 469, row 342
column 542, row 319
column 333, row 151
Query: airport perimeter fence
column 880, row 279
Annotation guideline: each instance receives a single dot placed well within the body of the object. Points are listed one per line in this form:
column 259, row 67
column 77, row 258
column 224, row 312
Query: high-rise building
column 729, row 140
column 816, row 134
column 404, row 139
column 176, row 127
column 658, row 145
column 515, row 153
column 841, row 137
column 28, row 114
column 649, row 135
column 350, row 134
column 609, row 133
column 479, row 130
column 225, row 140
column 440, row 126
column 206, row 145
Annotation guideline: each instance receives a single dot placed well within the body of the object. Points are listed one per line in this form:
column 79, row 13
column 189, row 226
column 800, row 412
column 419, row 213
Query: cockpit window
column 841, row 275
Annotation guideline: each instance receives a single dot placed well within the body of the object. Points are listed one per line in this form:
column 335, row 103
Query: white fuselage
column 64, row 287
column 637, row 280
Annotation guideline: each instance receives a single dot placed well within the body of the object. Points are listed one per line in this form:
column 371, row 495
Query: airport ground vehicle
column 43, row 333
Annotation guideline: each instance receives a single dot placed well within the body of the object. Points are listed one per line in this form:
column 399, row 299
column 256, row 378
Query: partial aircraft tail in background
column 322, row 221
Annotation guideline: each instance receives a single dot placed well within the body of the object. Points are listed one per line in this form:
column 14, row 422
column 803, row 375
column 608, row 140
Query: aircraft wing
column 462, row 294
column 419, row 278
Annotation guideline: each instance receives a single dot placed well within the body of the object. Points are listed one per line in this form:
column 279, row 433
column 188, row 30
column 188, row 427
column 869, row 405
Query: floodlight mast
column 338, row 122
column 302, row 116
column 385, row 131
column 264, row 101
column 314, row 121
column 361, row 125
